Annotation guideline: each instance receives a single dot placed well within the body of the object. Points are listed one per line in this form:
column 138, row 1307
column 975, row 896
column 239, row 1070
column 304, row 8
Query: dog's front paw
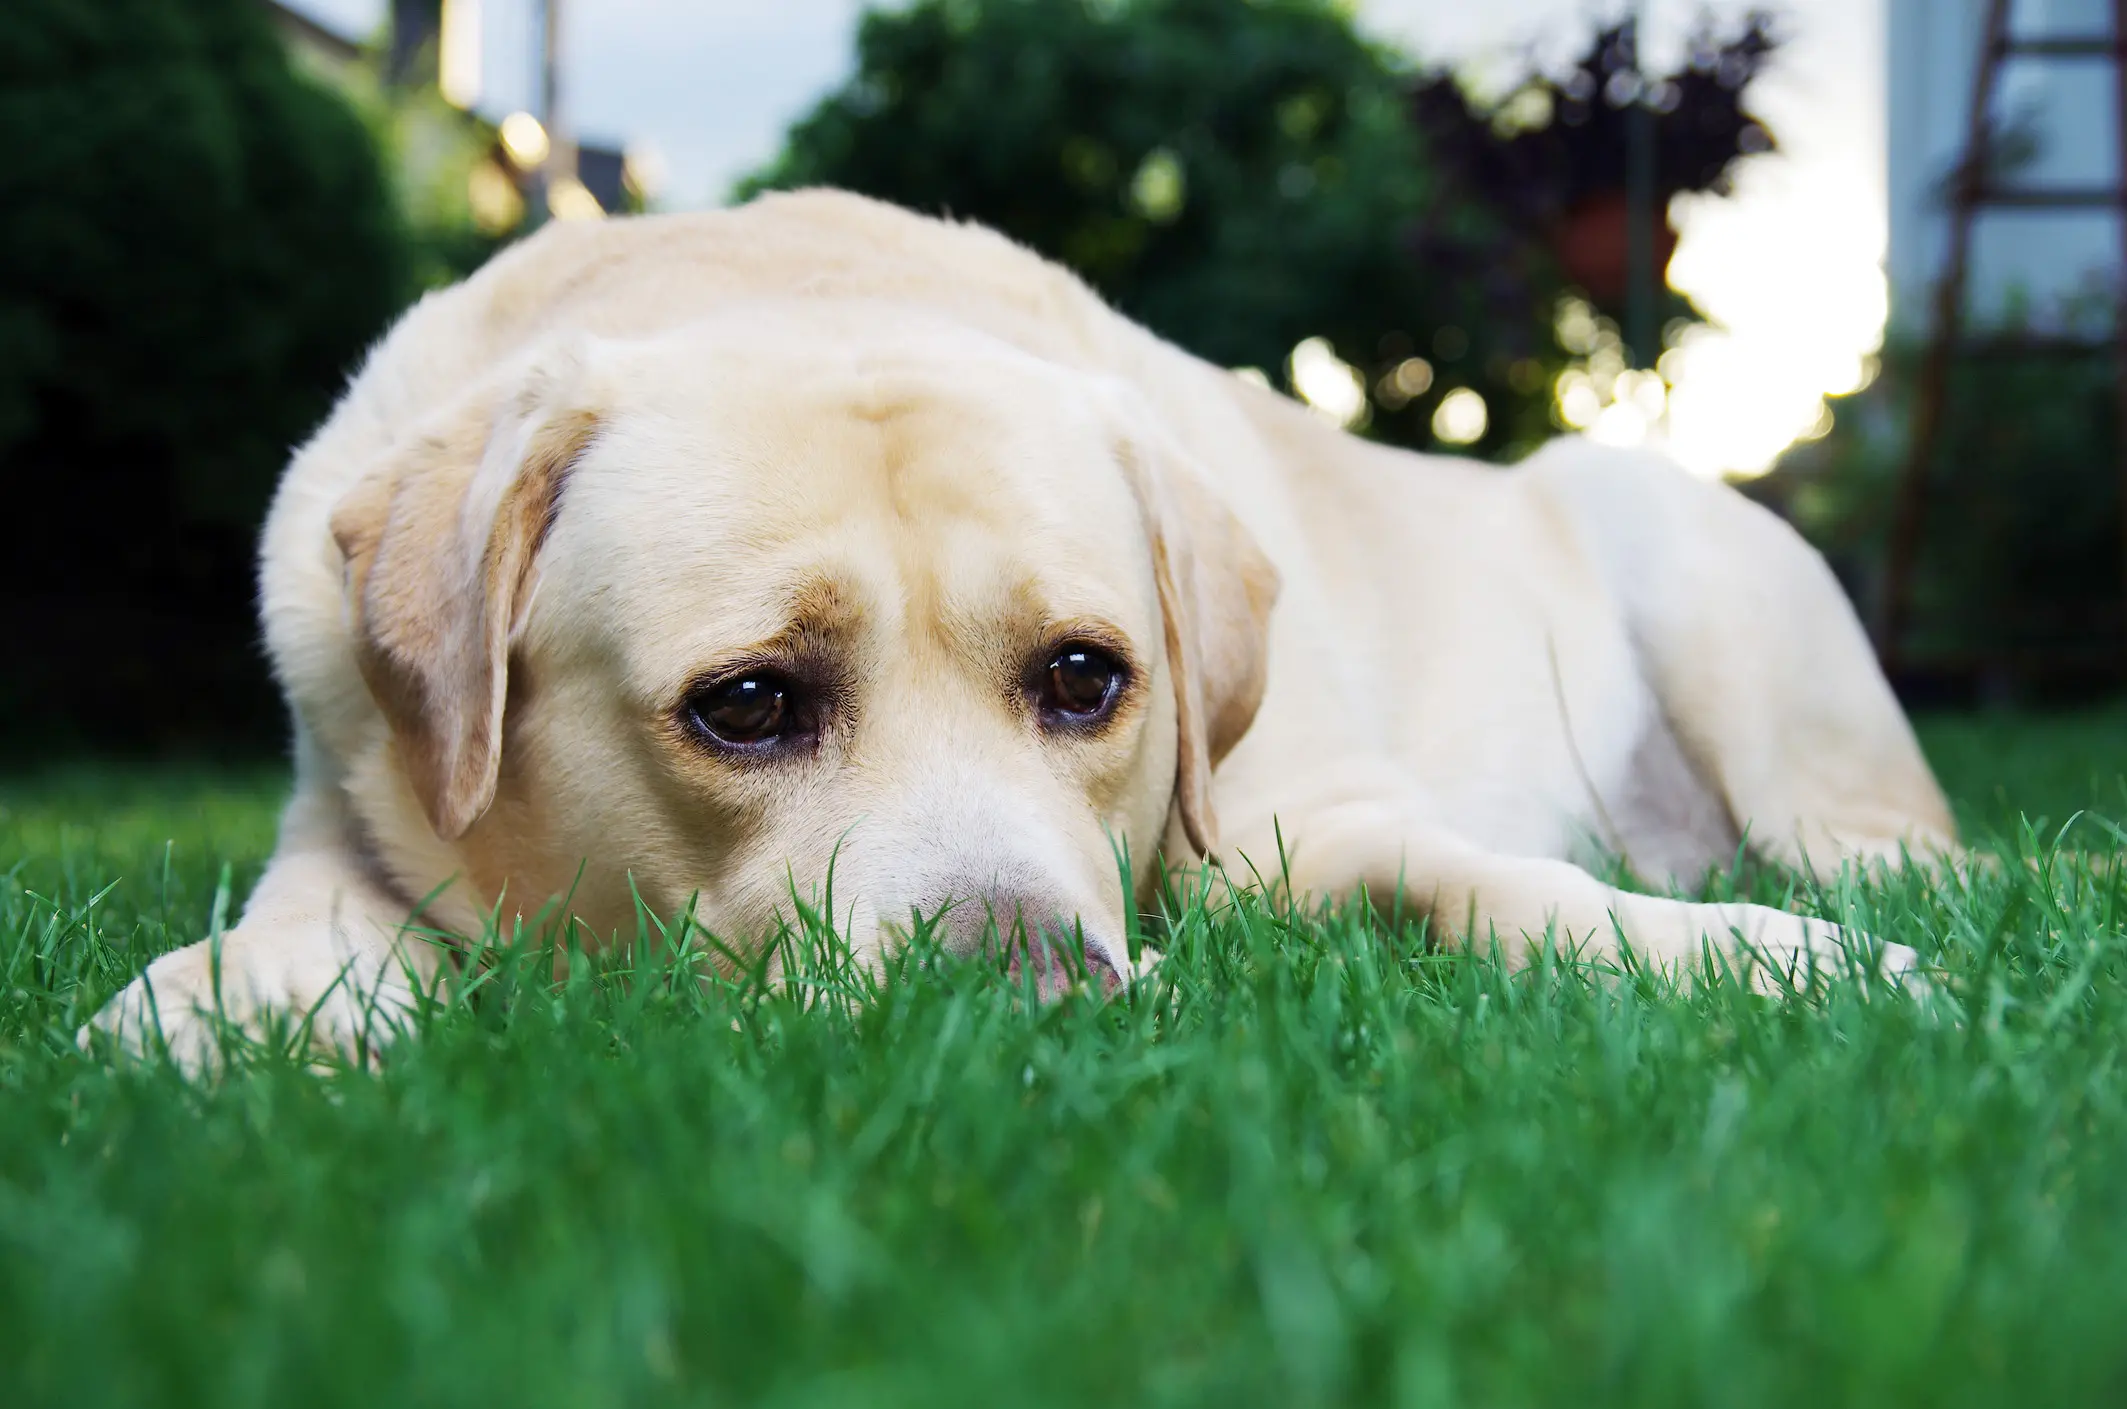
column 266, row 987
column 1143, row 969
column 1818, row 950
column 1905, row 970
column 1899, row 965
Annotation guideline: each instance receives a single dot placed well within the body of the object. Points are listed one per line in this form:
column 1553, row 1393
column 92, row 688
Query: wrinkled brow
column 1003, row 630
column 822, row 623
column 983, row 625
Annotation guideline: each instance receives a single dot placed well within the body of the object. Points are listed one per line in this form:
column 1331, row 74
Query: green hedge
column 196, row 244
column 2019, row 580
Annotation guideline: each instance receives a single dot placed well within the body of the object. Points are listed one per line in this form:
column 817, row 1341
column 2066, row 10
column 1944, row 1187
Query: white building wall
column 2033, row 264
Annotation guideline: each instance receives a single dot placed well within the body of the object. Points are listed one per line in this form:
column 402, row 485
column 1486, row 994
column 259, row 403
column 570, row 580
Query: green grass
column 1317, row 1165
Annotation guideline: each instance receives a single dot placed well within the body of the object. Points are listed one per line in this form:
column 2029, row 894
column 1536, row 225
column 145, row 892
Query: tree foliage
column 1552, row 158
column 1238, row 175
column 1575, row 141
column 196, row 243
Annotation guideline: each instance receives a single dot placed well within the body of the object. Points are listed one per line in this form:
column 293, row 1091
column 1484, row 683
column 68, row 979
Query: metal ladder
column 1971, row 191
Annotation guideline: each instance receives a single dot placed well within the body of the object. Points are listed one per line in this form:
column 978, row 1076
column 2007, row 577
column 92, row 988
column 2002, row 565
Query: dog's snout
column 1059, row 959
column 1042, row 942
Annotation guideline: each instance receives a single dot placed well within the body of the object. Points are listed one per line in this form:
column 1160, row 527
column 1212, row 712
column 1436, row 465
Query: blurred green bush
column 196, row 245
column 2019, row 580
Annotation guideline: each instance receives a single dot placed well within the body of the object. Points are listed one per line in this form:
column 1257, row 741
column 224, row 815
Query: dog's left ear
column 1216, row 591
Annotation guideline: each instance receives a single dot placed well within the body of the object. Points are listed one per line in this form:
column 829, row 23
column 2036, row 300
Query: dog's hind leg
column 1757, row 659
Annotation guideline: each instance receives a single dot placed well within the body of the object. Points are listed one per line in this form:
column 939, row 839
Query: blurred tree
column 196, row 244
column 1239, row 175
column 1554, row 160
column 1552, row 157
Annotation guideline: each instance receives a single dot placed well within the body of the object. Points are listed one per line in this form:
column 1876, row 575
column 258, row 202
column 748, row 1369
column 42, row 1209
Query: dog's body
column 887, row 467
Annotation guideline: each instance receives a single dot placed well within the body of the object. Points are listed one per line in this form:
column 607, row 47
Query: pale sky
column 1791, row 265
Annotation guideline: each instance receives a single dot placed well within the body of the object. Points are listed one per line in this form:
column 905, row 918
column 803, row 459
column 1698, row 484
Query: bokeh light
column 458, row 58
column 1461, row 418
column 1408, row 379
column 524, row 140
column 1334, row 388
column 1159, row 189
column 569, row 199
column 1756, row 379
column 493, row 199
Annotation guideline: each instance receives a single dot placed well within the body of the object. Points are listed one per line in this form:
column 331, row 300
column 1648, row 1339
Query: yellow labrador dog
column 706, row 552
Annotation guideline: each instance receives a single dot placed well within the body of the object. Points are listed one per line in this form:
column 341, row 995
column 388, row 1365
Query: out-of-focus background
column 1713, row 228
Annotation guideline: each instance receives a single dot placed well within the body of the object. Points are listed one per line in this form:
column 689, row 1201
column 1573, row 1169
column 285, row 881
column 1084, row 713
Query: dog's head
column 773, row 609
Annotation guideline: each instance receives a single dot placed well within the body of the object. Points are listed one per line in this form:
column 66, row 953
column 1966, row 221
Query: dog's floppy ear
column 439, row 542
column 1216, row 590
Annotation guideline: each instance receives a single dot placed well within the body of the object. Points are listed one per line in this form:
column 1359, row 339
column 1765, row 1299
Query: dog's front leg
column 321, row 950
column 1523, row 902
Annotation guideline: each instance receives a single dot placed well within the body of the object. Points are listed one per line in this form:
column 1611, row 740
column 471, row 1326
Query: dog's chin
column 1057, row 964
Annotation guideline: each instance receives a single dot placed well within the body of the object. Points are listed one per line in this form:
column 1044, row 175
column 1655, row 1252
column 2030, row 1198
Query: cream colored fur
column 629, row 456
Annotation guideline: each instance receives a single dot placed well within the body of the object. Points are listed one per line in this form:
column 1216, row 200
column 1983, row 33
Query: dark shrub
column 2019, row 579
column 196, row 244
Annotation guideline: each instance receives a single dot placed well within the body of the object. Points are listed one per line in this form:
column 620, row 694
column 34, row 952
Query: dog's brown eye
column 751, row 710
column 1081, row 685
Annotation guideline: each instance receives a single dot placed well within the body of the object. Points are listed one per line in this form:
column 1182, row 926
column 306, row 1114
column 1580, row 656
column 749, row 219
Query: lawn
column 1317, row 1165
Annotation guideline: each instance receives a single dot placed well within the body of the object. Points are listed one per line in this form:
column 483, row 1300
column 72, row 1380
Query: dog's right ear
column 1216, row 591
column 439, row 543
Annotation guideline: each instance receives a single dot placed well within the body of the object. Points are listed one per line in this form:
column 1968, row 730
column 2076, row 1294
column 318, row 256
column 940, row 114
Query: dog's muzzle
column 1057, row 960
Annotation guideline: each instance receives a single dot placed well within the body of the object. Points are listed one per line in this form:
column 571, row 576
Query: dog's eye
column 1081, row 685
column 753, row 709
